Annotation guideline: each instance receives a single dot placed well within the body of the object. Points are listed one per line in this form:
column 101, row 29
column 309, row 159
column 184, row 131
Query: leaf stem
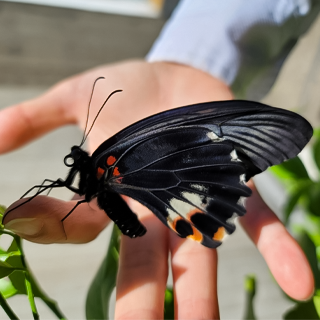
column 31, row 296
column 7, row 309
column 53, row 306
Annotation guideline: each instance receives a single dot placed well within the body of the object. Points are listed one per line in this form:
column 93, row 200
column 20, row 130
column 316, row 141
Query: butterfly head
column 77, row 158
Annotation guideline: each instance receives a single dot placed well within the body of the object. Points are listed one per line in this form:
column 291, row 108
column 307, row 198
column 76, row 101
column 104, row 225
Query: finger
column 40, row 221
column 27, row 120
column 194, row 269
column 143, row 270
column 285, row 258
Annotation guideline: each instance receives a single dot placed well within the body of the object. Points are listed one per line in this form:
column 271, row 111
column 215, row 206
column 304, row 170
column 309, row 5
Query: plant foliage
column 304, row 193
column 17, row 278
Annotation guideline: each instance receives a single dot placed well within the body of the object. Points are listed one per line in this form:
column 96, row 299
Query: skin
column 148, row 88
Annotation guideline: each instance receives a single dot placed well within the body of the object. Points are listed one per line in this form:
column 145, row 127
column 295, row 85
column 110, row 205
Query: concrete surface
column 30, row 61
column 41, row 45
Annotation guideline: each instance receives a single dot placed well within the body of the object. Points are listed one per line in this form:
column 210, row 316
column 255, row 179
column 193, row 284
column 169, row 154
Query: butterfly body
column 188, row 165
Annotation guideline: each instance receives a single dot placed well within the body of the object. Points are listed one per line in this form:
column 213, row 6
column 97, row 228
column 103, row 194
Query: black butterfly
column 187, row 165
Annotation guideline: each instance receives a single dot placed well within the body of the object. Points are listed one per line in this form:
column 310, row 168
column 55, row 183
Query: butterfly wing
column 189, row 165
column 260, row 131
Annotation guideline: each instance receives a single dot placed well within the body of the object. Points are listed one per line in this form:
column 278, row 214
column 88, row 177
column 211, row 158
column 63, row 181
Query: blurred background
column 44, row 41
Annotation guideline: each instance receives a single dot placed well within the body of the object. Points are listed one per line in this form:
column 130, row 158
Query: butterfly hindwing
column 195, row 188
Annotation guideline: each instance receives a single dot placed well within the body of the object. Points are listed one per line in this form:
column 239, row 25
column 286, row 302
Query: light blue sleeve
column 242, row 42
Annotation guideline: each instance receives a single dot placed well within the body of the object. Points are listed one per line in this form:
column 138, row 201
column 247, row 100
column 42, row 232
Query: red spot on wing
column 116, row 171
column 100, row 172
column 111, row 160
column 118, row 180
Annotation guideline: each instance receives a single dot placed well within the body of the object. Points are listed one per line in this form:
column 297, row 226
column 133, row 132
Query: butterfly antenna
column 84, row 132
column 111, row 94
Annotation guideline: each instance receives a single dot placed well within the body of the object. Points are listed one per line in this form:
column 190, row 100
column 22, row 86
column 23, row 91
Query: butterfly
column 187, row 165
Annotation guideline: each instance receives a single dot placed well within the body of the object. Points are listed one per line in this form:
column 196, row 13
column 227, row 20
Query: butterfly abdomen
column 118, row 211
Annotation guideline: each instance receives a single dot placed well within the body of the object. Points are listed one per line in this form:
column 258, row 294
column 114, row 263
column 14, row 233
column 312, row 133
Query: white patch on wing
column 234, row 156
column 182, row 207
column 199, row 187
column 225, row 236
column 211, row 135
column 171, row 215
column 170, row 219
column 194, row 198
column 232, row 218
column 243, row 178
column 242, row 201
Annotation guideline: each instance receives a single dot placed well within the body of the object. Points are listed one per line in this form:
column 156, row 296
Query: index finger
column 25, row 121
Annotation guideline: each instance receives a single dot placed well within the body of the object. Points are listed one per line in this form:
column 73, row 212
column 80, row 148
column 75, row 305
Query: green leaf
column 5, row 271
column 17, row 279
column 292, row 169
column 7, row 289
column 2, row 211
column 316, row 301
column 8, row 264
column 316, row 148
column 250, row 289
column 310, row 251
column 14, row 246
column 302, row 310
column 316, row 153
column 313, row 199
column 168, row 304
column 98, row 298
column 13, row 265
column 295, row 195
column 316, row 132
column 13, row 259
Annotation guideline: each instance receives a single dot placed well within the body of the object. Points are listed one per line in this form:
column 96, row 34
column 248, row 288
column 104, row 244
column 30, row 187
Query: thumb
column 40, row 220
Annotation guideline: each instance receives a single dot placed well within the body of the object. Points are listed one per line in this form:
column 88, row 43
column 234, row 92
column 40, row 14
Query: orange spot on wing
column 116, row 171
column 196, row 236
column 172, row 224
column 100, row 172
column 219, row 234
column 111, row 160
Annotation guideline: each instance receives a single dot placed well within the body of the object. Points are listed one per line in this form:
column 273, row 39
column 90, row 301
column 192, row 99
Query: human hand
column 147, row 89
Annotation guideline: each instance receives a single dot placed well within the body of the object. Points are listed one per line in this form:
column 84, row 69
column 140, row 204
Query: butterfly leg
column 68, row 214
column 39, row 187
column 118, row 211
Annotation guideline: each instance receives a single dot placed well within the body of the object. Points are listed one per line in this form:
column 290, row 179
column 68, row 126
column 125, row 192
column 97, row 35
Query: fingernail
column 25, row 226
